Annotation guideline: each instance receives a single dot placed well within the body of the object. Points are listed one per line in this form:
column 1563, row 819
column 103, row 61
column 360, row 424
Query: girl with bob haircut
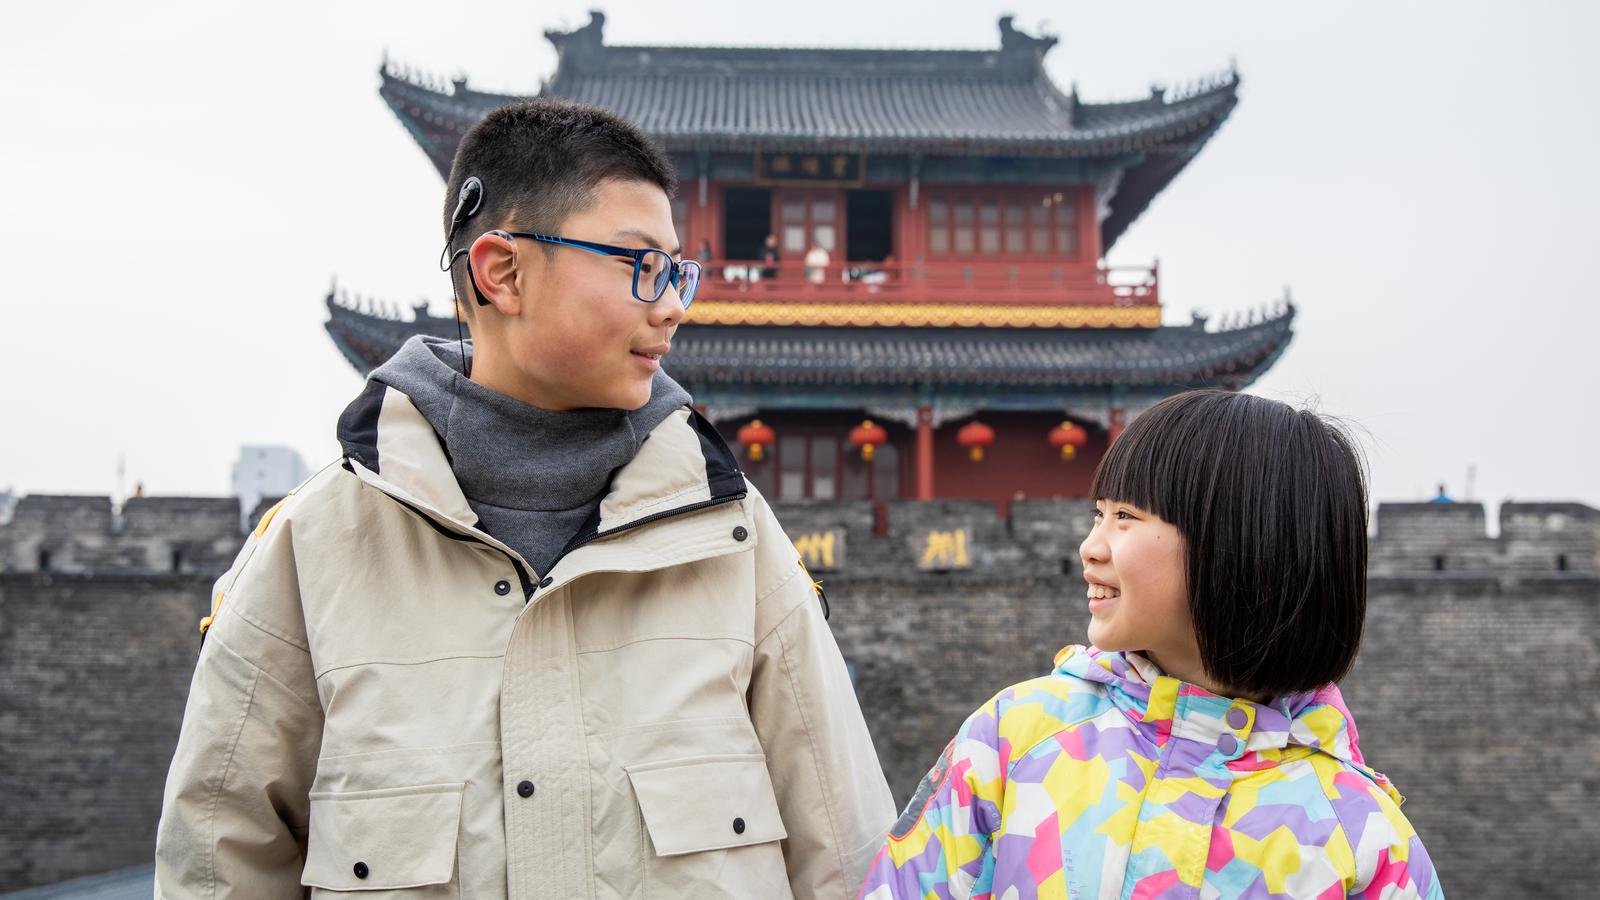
column 1199, row 747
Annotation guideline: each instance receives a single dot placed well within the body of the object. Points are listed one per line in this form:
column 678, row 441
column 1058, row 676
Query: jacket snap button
column 740, row 533
column 525, row 789
column 1237, row 719
column 1227, row 744
column 502, row 588
column 361, row 870
column 738, row 826
column 547, row 581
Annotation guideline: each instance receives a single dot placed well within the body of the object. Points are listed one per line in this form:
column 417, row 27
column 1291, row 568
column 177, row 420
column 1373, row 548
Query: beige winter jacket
column 387, row 702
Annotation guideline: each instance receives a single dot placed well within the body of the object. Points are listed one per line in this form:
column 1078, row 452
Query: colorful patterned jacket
column 1108, row 779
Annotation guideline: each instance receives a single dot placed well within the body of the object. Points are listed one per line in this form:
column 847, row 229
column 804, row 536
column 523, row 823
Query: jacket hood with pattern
column 1162, row 706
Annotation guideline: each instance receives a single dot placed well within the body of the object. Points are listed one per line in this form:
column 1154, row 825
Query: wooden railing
column 892, row 282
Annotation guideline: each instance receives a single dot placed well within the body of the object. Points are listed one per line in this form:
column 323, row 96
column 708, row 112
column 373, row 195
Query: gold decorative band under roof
column 921, row 315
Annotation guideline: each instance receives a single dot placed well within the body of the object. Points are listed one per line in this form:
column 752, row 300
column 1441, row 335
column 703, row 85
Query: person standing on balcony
column 817, row 261
column 769, row 258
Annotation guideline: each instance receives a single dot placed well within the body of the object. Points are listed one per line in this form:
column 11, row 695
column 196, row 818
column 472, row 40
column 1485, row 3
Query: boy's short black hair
column 1272, row 505
column 540, row 161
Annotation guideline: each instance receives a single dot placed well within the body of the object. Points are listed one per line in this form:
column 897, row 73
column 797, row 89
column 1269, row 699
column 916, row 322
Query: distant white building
column 266, row 472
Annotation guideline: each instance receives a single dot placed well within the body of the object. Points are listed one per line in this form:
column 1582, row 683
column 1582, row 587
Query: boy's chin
column 625, row 398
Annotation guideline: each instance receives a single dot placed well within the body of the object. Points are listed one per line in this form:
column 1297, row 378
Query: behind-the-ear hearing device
column 468, row 202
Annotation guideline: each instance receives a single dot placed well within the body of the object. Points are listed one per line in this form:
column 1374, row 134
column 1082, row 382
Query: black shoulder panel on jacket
column 722, row 467
column 358, row 426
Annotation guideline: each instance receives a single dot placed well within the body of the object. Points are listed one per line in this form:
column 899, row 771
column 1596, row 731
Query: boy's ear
column 494, row 262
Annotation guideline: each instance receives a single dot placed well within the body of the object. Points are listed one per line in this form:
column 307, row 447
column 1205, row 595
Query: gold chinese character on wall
column 822, row 551
column 945, row 549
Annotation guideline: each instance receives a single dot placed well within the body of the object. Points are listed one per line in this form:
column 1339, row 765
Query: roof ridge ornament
column 1014, row 40
column 584, row 40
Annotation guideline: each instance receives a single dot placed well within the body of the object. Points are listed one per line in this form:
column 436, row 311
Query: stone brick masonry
column 1477, row 689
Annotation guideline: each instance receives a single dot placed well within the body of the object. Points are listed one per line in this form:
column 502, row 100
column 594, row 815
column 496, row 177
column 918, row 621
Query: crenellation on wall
column 1431, row 537
column 952, row 535
column 1052, row 531
column 58, row 533
column 69, row 534
column 1447, row 540
column 1540, row 537
column 183, row 534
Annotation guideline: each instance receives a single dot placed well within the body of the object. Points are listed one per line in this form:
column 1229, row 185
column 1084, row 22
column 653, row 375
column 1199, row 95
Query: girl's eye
column 645, row 268
column 1123, row 514
column 1098, row 514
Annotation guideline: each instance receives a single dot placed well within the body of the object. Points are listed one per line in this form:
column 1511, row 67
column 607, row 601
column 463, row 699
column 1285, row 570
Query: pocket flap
column 707, row 803
column 382, row 840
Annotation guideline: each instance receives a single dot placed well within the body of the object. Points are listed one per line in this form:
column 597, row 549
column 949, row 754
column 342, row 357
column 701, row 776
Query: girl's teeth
column 1101, row 592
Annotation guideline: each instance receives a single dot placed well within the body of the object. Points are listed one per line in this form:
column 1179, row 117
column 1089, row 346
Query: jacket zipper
column 678, row 511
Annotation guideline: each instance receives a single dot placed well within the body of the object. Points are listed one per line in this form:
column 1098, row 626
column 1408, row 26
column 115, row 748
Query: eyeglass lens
column 659, row 268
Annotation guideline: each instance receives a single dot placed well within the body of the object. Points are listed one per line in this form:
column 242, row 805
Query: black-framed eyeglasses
column 656, row 268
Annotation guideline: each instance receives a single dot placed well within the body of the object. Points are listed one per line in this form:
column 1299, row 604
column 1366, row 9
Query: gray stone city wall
column 1475, row 689
column 94, row 671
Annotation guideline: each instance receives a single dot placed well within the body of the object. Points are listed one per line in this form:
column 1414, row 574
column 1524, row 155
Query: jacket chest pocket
column 397, row 840
column 713, row 826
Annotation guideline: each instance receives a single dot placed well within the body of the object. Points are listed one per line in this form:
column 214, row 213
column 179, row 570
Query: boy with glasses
column 534, row 636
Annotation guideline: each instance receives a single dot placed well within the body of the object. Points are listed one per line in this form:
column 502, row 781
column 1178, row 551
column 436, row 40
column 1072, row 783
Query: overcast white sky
column 181, row 185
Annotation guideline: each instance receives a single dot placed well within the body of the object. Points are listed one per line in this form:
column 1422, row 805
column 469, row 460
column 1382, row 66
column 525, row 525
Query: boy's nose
column 668, row 308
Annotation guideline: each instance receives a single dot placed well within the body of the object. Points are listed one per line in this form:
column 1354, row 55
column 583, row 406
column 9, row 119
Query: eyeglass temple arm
column 601, row 249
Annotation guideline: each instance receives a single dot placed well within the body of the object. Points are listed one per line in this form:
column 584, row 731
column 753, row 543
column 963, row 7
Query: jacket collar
column 1165, row 707
column 682, row 466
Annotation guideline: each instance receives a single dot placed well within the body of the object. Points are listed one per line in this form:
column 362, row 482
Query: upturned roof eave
column 1166, row 123
column 1185, row 356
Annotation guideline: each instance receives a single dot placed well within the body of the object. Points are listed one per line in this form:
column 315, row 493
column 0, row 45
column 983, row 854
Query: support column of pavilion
column 925, row 452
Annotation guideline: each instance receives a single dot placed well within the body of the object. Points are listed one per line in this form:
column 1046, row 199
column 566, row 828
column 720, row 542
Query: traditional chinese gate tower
column 963, row 205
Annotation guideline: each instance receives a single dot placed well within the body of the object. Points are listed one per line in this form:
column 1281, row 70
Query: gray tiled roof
column 1042, row 358
column 934, row 102
column 775, row 357
column 739, row 98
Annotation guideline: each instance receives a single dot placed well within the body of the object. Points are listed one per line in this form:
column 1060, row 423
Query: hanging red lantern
column 757, row 436
column 1068, row 437
column 975, row 436
column 869, row 435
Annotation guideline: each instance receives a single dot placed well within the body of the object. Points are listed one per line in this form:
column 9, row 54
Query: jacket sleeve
column 831, row 792
column 234, row 815
column 1390, row 861
column 941, row 844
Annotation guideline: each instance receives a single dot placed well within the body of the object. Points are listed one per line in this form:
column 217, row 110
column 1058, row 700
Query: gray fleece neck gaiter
column 533, row 476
